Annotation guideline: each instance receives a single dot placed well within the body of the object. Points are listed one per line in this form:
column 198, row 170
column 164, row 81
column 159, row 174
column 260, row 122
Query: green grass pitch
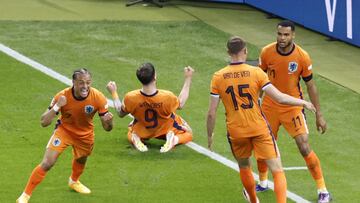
column 116, row 172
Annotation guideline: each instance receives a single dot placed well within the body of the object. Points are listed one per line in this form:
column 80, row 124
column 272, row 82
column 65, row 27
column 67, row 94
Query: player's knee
column 82, row 160
column 274, row 165
column 305, row 149
column 47, row 164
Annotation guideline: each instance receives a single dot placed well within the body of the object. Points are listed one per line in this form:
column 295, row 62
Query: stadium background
column 112, row 40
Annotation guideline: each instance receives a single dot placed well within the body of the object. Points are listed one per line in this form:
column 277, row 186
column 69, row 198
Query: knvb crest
column 89, row 109
column 293, row 66
column 56, row 142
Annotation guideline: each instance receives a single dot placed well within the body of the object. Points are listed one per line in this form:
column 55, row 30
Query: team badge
column 56, row 142
column 293, row 66
column 89, row 109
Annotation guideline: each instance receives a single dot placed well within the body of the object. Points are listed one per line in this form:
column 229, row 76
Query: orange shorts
column 180, row 127
column 293, row 120
column 61, row 139
column 264, row 147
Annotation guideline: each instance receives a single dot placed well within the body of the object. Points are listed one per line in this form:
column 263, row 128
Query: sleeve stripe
column 308, row 78
column 102, row 114
column 266, row 85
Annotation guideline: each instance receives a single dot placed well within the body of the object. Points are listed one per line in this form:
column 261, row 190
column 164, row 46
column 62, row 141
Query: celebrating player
column 154, row 110
column 238, row 86
column 285, row 63
column 77, row 105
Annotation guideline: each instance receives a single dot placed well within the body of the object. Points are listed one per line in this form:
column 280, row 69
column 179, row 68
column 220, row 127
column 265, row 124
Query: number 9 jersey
column 238, row 85
column 154, row 115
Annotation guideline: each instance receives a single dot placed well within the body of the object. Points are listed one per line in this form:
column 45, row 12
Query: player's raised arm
column 112, row 88
column 184, row 94
column 282, row 98
column 49, row 115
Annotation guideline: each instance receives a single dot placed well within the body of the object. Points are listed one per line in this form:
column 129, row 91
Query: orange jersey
column 238, row 86
column 154, row 114
column 284, row 71
column 77, row 115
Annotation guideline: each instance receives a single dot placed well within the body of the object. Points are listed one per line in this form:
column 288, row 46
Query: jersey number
column 230, row 90
column 151, row 117
column 297, row 118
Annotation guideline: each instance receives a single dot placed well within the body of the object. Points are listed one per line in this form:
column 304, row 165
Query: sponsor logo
column 56, row 142
column 293, row 66
column 89, row 109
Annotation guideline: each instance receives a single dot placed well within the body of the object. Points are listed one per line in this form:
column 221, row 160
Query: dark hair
column 235, row 44
column 80, row 71
column 146, row 73
column 287, row 23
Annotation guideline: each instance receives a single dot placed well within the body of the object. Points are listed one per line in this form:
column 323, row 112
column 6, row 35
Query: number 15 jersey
column 238, row 86
column 154, row 114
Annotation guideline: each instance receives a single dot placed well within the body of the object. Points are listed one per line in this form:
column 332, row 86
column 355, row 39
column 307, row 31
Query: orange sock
column 77, row 170
column 280, row 186
column 248, row 182
column 313, row 164
column 37, row 175
column 263, row 170
column 184, row 137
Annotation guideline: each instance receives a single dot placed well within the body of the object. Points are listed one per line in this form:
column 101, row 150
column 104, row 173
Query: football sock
column 280, row 186
column 313, row 164
column 184, row 137
column 263, row 172
column 37, row 175
column 248, row 182
column 77, row 170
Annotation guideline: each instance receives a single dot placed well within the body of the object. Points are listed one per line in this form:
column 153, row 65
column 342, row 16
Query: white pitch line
column 231, row 164
column 294, row 168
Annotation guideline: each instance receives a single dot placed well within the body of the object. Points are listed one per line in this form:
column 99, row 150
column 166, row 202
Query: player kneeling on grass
column 154, row 110
column 77, row 105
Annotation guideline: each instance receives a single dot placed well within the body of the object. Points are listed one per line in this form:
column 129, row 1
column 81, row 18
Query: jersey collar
column 79, row 99
column 151, row 95
column 286, row 54
column 236, row 63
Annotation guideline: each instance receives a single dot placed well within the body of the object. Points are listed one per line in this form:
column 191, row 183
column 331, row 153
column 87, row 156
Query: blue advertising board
column 338, row 19
column 229, row 1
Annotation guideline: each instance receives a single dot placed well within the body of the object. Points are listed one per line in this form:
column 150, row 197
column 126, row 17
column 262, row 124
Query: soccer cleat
column 138, row 144
column 246, row 196
column 24, row 198
column 170, row 142
column 259, row 188
column 324, row 197
column 78, row 187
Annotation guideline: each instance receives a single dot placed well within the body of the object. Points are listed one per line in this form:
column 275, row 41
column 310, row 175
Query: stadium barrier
column 338, row 19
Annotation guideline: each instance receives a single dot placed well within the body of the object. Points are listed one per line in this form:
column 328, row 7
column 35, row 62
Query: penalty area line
column 223, row 160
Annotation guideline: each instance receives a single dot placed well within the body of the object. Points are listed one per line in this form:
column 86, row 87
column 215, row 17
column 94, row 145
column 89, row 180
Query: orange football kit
column 154, row 115
column 284, row 72
column 238, row 86
column 75, row 126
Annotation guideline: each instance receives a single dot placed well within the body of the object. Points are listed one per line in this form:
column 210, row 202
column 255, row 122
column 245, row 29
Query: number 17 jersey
column 154, row 115
column 238, row 86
